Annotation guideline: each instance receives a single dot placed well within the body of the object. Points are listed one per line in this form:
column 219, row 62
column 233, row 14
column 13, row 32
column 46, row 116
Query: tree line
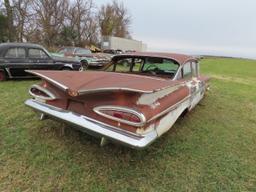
column 62, row 22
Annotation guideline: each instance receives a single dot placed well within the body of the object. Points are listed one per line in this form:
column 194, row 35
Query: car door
column 39, row 59
column 16, row 61
column 190, row 75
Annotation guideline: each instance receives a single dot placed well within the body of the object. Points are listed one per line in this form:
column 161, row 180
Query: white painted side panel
column 168, row 120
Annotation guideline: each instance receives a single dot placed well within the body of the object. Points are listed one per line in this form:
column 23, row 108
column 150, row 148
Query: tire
column 2, row 76
column 84, row 64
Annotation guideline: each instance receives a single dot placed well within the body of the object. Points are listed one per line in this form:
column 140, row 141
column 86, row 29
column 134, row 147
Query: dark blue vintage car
column 16, row 58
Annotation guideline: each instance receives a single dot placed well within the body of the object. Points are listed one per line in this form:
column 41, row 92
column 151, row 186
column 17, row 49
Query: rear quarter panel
column 154, row 106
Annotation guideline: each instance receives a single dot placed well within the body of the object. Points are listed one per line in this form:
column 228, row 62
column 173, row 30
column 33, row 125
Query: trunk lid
column 99, row 81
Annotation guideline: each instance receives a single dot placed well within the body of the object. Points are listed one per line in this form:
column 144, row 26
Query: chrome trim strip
column 145, row 77
column 81, row 92
column 48, row 79
column 84, row 91
column 117, row 129
column 9, row 73
column 122, row 109
column 69, row 65
column 51, row 96
column 94, row 128
column 177, row 73
column 169, row 109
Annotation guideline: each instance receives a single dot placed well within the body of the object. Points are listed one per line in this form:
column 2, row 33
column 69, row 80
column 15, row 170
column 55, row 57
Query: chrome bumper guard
column 93, row 127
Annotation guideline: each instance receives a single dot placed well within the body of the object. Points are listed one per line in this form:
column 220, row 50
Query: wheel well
column 66, row 68
column 184, row 112
column 5, row 75
column 84, row 61
column 5, row 72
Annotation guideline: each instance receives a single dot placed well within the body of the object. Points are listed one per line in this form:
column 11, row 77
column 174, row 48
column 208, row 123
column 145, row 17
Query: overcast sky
column 221, row 27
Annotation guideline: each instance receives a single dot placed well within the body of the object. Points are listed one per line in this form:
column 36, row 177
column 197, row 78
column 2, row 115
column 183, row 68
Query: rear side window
column 15, row 53
column 37, row 53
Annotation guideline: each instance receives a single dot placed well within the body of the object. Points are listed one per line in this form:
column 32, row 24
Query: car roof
column 179, row 58
column 5, row 46
column 30, row 45
column 74, row 48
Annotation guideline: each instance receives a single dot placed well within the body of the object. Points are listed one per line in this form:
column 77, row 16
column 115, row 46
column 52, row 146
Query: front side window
column 194, row 69
column 15, row 53
column 186, row 71
column 37, row 53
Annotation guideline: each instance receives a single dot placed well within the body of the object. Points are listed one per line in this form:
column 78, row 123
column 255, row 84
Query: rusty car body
column 85, row 56
column 132, row 104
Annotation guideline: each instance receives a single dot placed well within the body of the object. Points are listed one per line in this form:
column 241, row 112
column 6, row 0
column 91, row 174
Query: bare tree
column 9, row 13
column 22, row 17
column 4, row 35
column 50, row 16
column 123, row 20
column 65, row 22
column 81, row 19
column 114, row 19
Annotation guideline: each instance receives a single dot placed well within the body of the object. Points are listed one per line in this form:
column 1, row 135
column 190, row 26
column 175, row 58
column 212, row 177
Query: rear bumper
column 94, row 127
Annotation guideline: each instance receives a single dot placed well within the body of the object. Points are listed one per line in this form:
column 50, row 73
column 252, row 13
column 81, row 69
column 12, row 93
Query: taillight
column 122, row 115
column 40, row 93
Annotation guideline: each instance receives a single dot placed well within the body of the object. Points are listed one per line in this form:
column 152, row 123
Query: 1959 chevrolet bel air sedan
column 131, row 104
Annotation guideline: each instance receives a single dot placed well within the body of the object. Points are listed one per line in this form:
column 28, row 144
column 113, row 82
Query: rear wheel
column 85, row 64
column 2, row 76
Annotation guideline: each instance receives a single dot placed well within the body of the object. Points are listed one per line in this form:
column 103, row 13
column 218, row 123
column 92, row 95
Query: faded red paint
column 92, row 80
column 141, row 85
column 84, row 104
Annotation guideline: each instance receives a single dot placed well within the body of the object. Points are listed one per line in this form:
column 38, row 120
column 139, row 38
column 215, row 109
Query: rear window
column 83, row 51
column 15, row 53
column 37, row 53
column 165, row 65
column 66, row 50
